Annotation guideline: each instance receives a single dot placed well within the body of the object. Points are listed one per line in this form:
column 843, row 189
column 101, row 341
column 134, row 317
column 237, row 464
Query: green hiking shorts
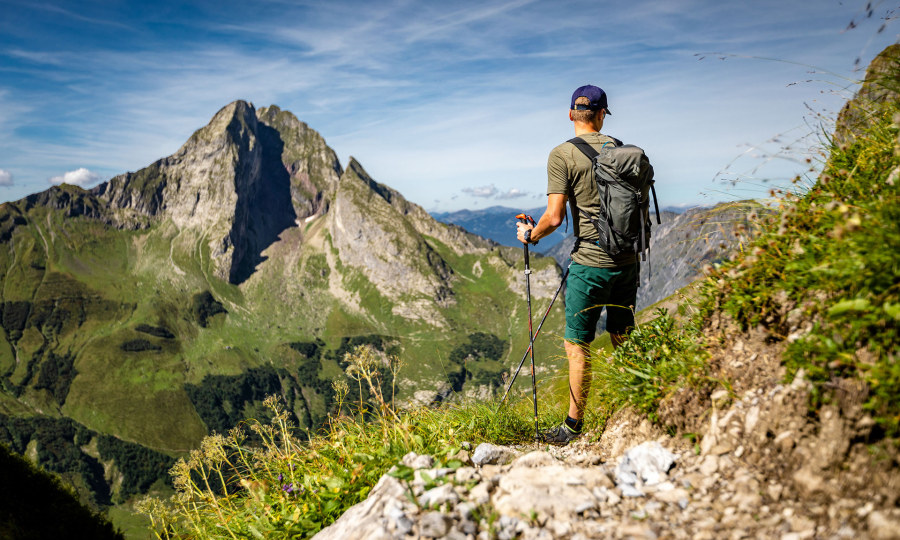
column 589, row 290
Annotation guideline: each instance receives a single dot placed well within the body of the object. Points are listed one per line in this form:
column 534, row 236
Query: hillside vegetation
column 819, row 282
column 824, row 276
column 28, row 493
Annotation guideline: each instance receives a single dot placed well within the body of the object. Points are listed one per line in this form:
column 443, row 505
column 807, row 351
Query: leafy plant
column 656, row 359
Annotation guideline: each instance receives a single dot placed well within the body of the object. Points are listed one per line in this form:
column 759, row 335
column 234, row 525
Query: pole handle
column 528, row 220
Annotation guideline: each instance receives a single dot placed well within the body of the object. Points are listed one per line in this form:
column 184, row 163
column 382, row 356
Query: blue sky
column 454, row 104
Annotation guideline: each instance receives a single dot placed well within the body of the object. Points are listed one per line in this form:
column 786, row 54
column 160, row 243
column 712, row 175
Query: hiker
column 595, row 278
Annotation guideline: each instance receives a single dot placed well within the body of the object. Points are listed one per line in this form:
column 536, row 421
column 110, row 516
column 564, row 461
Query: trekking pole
column 538, row 331
column 523, row 218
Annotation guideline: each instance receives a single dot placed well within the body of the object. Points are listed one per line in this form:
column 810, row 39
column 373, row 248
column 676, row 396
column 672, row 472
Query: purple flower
column 280, row 476
column 289, row 487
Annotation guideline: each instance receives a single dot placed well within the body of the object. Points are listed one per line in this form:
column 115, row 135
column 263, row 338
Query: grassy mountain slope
column 157, row 308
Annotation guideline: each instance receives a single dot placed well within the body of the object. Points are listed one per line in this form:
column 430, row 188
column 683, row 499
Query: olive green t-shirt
column 570, row 172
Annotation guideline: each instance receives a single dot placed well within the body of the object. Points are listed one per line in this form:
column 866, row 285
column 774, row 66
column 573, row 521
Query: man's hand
column 520, row 231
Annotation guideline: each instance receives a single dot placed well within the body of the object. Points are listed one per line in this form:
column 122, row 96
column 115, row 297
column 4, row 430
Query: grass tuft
column 658, row 358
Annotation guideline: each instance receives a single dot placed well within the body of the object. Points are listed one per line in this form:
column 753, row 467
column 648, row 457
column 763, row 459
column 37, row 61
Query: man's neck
column 583, row 128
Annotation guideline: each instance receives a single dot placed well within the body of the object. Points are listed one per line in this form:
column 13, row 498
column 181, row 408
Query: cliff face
column 238, row 182
column 879, row 86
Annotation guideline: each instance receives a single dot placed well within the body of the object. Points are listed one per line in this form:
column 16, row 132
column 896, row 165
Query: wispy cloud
column 79, row 177
column 6, row 178
column 513, row 193
column 481, row 191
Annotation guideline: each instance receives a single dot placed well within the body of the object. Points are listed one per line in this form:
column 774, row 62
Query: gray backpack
column 624, row 179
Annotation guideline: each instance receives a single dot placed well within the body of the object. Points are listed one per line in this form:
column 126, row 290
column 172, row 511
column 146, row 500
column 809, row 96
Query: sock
column 574, row 425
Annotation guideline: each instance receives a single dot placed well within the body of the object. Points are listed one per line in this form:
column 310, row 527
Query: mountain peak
column 238, row 182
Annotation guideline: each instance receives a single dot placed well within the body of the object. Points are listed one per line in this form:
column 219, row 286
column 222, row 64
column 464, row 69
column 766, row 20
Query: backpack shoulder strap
column 585, row 148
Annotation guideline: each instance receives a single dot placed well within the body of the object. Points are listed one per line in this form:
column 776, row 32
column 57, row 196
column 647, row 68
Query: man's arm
column 552, row 218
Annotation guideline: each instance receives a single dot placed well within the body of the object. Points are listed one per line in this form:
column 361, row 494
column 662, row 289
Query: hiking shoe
column 560, row 435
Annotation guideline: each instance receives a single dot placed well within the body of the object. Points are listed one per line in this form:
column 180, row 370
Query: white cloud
column 513, row 193
column 6, row 178
column 79, row 177
column 481, row 191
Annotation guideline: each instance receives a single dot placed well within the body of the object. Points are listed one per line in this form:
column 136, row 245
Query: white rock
column 883, row 526
column 467, row 474
column 649, row 462
column 751, row 419
column 481, row 493
column 486, row 453
column 548, row 491
column 673, row 496
column 439, row 495
column 433, row 525
column 709, row 465
column 415, row 461
column 366, row 519
column 535, row 459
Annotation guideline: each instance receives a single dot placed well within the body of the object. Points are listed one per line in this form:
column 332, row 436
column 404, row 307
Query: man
column 596, row 279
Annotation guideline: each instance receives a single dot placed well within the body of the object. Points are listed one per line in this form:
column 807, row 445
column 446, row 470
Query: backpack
column 624, row 179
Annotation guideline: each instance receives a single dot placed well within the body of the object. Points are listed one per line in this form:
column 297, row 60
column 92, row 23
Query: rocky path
column 634, row 482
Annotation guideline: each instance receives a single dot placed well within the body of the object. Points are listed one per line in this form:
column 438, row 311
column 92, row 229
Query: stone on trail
column 488, row 454
column 883, row 525
column 438, row 496
column 554, row 490
column 434, row 525
column 415, row 461
column 648, row 462
column 366, row 519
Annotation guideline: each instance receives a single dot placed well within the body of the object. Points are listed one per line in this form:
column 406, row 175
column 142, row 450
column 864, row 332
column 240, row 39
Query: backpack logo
column 624, row 179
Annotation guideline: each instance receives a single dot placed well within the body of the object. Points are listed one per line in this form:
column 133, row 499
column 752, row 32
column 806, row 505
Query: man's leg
column 582, row 311
column 622, row 298
column 580, row 374
column 579, row 378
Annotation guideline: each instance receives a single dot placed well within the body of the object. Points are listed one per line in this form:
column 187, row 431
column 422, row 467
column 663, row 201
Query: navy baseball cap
column 595, row 94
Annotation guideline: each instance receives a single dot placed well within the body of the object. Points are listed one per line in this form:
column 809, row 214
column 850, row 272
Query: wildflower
column 280, row 477
column 213, row 449
column 181, row 475
column 288, row 488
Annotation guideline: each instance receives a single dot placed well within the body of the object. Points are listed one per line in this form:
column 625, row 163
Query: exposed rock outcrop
column 879, row 86
column 238, row 182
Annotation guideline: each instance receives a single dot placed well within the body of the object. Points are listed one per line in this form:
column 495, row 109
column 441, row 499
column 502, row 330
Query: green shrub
column 204, row 306
column 139, row 345
column 657, row 358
